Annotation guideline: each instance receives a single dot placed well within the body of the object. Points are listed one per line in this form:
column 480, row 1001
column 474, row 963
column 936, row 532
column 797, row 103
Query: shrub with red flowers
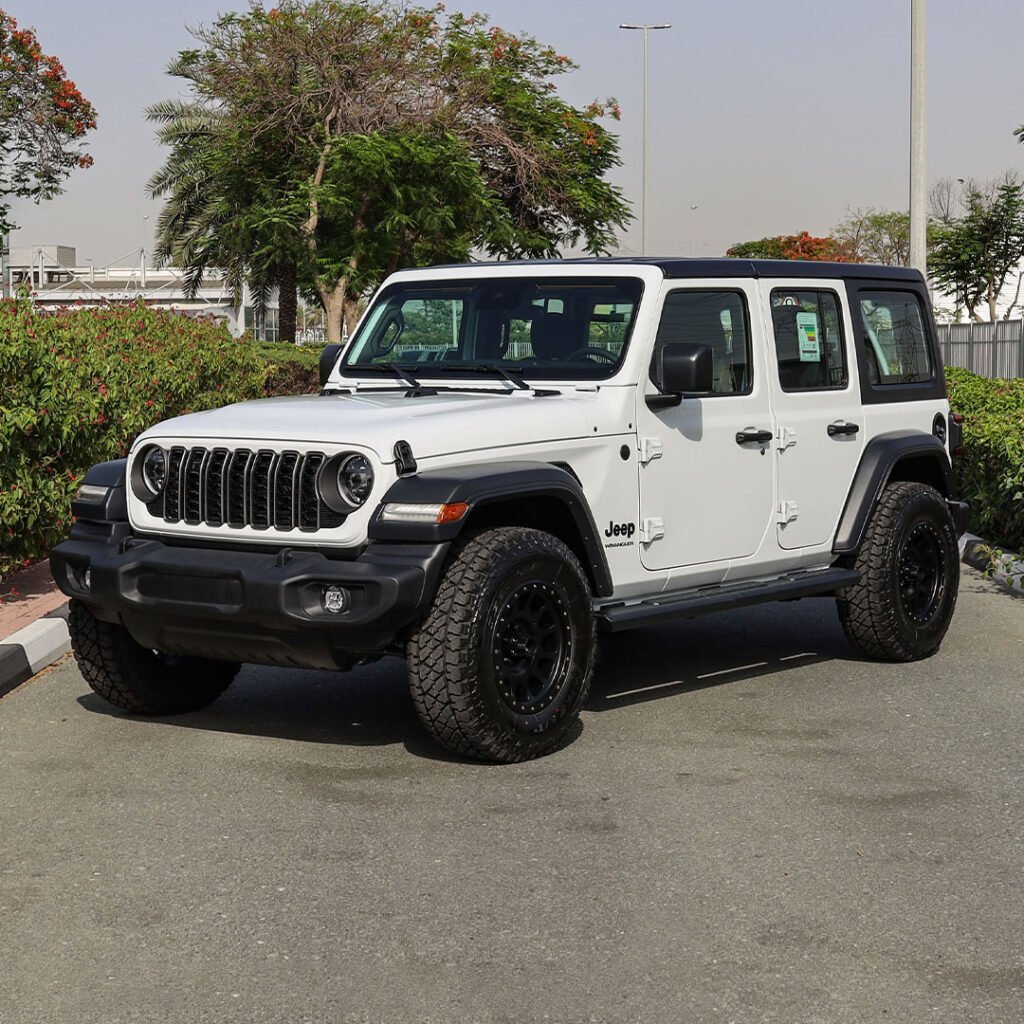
column 76, row 388
column 43, row 119
column 803, row 246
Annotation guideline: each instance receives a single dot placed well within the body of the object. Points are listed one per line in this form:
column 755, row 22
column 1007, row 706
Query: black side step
column 722, row 596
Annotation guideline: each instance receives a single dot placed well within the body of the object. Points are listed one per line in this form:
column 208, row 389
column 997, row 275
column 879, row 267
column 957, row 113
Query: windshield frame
column 566, row 288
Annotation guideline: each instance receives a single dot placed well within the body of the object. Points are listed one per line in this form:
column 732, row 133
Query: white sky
column 771, row 117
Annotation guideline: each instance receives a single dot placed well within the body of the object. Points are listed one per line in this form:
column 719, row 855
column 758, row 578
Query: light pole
column 918, row 142
column 693, row 209
column 646, row 29
column 145, row 232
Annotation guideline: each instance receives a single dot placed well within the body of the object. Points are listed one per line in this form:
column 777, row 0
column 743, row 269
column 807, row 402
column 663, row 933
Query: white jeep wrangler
column 506, row 460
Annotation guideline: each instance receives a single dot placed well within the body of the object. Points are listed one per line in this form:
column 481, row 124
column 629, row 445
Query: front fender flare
column 481, row 484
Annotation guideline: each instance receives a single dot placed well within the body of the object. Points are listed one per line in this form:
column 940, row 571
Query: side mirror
column 328, row 358
column 684, row 369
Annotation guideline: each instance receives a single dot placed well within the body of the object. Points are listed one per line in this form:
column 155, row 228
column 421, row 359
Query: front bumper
column 262, row 607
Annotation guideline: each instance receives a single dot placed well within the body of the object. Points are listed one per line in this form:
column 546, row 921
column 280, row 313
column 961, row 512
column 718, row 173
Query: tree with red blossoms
column 43, row 120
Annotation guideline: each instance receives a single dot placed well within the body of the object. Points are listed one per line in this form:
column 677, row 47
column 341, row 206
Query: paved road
column 753, row 826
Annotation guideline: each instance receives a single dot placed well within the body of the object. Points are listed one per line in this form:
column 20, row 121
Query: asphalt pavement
column 753, row 825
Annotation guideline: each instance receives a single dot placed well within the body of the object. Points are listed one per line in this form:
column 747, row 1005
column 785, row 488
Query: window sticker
column 807, row 333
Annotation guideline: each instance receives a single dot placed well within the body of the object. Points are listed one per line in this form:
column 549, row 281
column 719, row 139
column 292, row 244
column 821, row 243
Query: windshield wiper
column 506, row 373
column 398, row 369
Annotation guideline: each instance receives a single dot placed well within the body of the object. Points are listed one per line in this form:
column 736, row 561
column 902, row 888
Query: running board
column 721, row 597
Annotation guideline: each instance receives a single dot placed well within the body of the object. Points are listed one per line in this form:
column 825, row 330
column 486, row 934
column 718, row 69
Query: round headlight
column 154, row 469
column 355, row 479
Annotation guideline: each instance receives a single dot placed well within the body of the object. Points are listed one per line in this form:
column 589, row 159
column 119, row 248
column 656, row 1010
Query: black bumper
column 250, row 606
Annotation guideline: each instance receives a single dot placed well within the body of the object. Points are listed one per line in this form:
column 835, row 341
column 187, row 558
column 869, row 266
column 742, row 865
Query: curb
column 983, row 556
column 32, row 648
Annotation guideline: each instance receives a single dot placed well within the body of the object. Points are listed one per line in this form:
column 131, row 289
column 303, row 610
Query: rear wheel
column 502, row 665
column 910, row 571
column 136, row 679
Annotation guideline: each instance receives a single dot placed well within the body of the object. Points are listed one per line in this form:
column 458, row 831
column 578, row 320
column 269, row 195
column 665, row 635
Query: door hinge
column 651, row 530
column 786, row 438
column 650, row 448
column 788, row 511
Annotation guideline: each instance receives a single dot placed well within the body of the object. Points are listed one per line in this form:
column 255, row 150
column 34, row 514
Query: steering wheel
column 593, row 350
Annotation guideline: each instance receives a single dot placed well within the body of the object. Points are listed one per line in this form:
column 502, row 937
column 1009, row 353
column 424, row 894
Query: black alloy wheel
column 921, row 572
column 910, row 572
column 502, row 664
column 531, row 645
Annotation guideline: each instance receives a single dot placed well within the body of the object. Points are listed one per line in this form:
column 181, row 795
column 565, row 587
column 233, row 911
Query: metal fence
column 992, row 350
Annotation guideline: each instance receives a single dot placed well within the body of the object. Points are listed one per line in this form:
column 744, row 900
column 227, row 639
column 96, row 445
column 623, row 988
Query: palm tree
column 209, row 219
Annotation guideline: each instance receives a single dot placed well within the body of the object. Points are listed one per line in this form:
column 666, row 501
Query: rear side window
column 719, row 320
column 895, row 342
column 808, row 340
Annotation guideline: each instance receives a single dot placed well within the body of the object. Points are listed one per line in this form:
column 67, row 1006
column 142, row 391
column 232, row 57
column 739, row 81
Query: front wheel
column 910, row 571
column 134, row 678
column 502, row 664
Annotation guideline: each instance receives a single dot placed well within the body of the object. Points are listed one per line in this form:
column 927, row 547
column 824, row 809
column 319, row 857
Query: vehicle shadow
column 664, row 661
column 370, row 706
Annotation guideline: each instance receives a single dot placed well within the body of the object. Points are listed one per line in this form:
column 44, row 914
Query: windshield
column 554, row 328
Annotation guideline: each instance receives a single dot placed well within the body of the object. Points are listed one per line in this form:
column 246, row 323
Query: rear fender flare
column 881, row 459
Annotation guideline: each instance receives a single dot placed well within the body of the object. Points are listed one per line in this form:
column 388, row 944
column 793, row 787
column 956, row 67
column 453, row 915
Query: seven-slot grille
column 262, row 489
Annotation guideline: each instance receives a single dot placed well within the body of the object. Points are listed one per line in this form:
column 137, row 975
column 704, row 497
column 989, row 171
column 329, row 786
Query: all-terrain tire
column 502, row 664
column 910, row 571
column 136, row 679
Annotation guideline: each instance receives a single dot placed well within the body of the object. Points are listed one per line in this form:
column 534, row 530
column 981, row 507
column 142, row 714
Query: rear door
column 819, row 422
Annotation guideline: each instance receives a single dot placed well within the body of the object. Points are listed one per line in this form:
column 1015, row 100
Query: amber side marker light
column 409, row 512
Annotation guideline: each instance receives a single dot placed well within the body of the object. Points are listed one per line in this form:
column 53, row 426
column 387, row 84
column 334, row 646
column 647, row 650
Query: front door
column 706, row 465
column 819, row 417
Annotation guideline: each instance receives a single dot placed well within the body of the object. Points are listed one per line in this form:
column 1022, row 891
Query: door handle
column 754, row 436
column 837, row 429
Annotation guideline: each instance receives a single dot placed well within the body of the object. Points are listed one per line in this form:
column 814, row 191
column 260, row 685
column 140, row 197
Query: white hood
column 440, row 424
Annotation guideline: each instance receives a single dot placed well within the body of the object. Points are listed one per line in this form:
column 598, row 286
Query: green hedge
column 290, row 369
column 76, row 388
column 991, row 471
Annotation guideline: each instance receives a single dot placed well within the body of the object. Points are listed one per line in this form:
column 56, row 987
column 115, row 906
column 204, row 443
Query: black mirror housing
column 328, row 358
column 684, row 368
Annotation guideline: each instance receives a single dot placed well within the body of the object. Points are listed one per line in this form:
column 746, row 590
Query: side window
column 808, row 340
column 895, row 343
column 719, row 320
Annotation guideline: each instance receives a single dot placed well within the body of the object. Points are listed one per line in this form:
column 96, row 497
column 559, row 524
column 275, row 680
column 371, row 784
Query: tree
column 974, row 254
column 207, row 220
column 43, row 118
column 875, row 236
column 368, row 136
column 803, row 246
column 759, row 249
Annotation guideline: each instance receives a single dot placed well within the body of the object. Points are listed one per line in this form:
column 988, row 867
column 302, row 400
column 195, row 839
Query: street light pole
column 646, row 29
column 918, row 141
column 145, row 239
column 693, row 209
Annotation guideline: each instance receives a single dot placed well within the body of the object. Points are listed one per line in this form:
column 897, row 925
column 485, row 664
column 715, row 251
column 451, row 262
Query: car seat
column 551, row 336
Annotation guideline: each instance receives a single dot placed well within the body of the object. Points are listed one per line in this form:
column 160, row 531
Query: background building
column 53, row 278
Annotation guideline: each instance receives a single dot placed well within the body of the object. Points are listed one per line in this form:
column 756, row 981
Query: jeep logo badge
column 620, row 530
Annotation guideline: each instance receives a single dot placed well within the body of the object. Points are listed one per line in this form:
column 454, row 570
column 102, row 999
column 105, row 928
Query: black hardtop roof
column 681, row 267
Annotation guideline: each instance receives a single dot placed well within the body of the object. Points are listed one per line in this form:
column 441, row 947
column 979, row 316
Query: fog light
column 87, row 579
column 334, row 600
